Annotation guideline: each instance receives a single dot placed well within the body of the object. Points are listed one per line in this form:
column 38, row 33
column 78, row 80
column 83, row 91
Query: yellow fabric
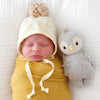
column 57, row 83
column 40, row 25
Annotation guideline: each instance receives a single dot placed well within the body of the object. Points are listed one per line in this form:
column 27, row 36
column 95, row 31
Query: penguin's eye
column 64, row 47
column 76, row 43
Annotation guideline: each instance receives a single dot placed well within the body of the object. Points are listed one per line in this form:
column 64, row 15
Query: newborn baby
column 37, row 47
column 38, row 74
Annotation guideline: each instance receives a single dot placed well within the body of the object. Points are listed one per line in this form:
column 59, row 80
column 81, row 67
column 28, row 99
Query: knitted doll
column 38, row 74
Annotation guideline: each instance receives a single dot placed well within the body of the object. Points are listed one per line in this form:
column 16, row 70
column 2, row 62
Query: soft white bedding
column 79, row 15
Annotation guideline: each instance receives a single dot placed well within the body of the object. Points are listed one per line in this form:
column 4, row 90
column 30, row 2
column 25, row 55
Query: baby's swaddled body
column 57, row 83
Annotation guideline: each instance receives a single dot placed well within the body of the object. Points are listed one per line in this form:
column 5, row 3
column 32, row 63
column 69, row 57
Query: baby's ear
column 38, row 9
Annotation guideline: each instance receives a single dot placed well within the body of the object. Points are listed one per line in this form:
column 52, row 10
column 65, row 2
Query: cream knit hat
column 40, row 25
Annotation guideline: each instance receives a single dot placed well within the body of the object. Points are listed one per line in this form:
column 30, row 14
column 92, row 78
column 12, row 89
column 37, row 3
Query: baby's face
column 37, row 47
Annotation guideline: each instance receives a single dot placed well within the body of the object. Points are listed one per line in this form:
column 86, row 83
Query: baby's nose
column 35, row 48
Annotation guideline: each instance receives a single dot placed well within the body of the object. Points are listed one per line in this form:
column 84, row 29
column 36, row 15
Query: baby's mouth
column 36, row 56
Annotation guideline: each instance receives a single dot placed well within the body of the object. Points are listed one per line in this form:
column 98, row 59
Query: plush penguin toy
column 76, row 63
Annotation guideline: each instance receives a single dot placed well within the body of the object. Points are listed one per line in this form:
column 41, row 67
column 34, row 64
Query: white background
column 79, row 15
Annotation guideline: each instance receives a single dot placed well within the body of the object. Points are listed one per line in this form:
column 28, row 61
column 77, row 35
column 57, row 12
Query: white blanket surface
column 78, row 15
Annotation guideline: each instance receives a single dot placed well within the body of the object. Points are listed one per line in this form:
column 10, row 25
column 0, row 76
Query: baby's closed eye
column 43, row 44
column 29, row 44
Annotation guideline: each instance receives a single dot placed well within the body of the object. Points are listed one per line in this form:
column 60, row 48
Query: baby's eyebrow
column 28, row 42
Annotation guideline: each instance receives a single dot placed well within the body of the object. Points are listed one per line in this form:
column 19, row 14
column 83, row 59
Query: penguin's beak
column 71, row 47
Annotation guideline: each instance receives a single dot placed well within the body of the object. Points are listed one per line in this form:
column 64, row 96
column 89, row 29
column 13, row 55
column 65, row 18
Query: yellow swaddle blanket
column 57, row 83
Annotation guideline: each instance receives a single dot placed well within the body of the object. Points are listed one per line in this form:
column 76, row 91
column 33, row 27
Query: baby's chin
column 36, row 59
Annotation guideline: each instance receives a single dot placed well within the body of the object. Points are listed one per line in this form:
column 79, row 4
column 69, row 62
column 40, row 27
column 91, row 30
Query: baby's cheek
column 26, row 51
column 48, row 51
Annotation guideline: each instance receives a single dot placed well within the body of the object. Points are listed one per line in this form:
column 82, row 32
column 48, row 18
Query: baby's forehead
column 37, row 37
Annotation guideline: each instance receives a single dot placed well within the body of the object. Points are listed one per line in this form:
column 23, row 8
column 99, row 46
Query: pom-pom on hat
column 38, row 9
